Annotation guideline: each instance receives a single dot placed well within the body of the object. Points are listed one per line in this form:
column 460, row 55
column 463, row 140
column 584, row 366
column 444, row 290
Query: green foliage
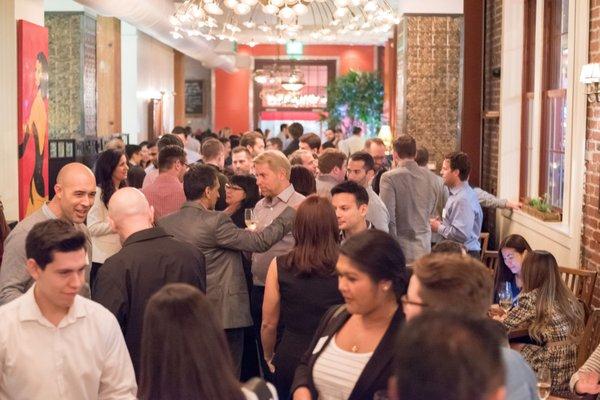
column 541, row 204
column 357, row 96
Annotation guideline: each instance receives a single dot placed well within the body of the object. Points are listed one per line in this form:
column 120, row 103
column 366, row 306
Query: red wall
column 232, row 107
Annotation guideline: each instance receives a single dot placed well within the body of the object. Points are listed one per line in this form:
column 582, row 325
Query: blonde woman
column 553, row 316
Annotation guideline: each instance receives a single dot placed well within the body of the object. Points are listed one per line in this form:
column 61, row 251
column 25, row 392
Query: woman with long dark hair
column 511, row 254
column 111, row 174
column 351, row 353
column 184, row 350
column 240, row 193
column 300, row 287
column 553, row 316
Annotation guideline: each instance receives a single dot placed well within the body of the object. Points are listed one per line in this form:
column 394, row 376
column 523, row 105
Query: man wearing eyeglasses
column 460, row 284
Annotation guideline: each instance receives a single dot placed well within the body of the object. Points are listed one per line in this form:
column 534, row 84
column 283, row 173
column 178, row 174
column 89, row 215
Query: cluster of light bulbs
column 225, row 19
column 290, row 79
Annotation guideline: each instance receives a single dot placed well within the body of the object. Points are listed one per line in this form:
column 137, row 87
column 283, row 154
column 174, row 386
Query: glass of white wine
column 505, row 299
column 250, row 218
column 544, row 383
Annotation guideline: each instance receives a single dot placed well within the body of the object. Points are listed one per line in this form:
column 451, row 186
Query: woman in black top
column 299, row 289
column 350, row 356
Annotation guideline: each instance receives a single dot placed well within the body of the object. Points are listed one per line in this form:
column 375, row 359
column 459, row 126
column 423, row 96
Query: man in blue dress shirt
column 462, row 215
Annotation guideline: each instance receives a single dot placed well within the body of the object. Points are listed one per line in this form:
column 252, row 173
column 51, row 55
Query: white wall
column 155, row 74
column 147, row 68
column 430, row 6
column 10, row 12
column 129, row 64
column 195, row 70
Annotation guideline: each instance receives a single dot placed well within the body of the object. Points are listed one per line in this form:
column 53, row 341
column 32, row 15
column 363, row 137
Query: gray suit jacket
column 410, row 195
column 221, row 242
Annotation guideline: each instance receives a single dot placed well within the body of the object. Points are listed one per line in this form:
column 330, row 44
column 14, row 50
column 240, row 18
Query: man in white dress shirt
column 55, row 344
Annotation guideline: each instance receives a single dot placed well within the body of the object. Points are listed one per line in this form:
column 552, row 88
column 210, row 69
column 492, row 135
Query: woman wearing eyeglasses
column 240, row 193
column 351, row 354
column 553, row 317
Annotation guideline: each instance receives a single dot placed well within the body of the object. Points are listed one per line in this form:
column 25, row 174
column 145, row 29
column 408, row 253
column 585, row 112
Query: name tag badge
column 444, row 213
column 320, row 344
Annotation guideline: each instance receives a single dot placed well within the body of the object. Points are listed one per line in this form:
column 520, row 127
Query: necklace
column 355, row 348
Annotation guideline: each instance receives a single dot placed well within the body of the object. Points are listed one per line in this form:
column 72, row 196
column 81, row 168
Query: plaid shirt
column 165, row 194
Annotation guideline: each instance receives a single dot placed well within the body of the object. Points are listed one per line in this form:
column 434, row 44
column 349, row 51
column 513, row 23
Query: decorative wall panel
column 429, row 76
column 72, row 84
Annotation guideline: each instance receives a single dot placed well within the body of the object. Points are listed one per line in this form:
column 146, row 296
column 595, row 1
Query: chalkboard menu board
column 194, row 97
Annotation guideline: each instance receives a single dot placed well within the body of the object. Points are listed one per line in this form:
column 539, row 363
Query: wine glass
column 544, row 383
column 250, row 218
column 505, row 299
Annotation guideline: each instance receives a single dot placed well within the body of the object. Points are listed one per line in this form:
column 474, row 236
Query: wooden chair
column 590, row 338
column 582, row 282
column 484, row 238
column 490, row 259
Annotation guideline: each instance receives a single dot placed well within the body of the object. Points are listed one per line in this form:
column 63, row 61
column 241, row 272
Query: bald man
column 150, row 258
column 75, row 190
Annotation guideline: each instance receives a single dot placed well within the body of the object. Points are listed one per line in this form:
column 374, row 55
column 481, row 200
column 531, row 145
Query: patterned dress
column 558, row 352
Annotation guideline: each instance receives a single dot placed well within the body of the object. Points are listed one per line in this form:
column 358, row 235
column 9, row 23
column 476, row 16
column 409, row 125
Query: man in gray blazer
column 221, row 241
column 409, row 194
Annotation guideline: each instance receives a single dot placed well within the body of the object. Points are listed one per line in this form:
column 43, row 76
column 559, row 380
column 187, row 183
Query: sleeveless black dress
column 304, row 300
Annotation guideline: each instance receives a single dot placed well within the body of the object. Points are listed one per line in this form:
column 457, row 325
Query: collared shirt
column 343, row 233
column 165, row 194
column 151, row 175
column 266, row 210
column 325, row 183
column 351, row 145
column 149, row 259
column 14, row 278
column 377, row 212
column 462, row 217
column 83, row 358
column 191, row 156
column 409, row 194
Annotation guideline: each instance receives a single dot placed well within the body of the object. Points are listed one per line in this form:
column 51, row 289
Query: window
column 554, row 97
column 554, row 113
column 528, row 95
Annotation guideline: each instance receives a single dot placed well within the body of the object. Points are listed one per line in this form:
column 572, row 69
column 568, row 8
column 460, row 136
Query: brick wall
column 590, row 241
column 429, row 67
column 491, row 102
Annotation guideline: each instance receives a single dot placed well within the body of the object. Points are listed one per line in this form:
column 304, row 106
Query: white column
column 10, row 12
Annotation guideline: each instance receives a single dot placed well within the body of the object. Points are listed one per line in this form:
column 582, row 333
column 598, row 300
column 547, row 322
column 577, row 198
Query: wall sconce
column 385, row 134
column 590, row 76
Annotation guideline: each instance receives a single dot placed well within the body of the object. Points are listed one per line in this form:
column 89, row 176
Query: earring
column 386, row 287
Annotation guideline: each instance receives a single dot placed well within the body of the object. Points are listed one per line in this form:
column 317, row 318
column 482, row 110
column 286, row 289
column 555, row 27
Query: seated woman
column 300, row 287
column 351, row 354
column 511, row 253
column 587, row 379
column 553, row 317
column 184, row 350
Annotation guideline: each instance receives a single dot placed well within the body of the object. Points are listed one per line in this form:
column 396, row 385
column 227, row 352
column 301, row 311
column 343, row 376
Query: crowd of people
column 305, row 268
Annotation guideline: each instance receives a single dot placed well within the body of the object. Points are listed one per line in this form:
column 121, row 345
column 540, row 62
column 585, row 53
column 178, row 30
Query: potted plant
column 355, row 99
column 540, row 208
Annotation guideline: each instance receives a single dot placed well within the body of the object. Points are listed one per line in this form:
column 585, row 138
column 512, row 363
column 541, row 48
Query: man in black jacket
column 150, row 258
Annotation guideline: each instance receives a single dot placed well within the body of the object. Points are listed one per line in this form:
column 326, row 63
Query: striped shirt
column 165, row 194
column 336, row 371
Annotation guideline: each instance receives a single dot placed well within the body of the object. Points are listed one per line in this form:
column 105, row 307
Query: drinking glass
column 250, row 218
column 544, row 383
column 381, row 395
column 505, row 297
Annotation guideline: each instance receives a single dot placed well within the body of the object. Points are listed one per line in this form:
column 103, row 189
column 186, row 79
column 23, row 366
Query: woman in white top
column 351, row 353
column 111, row 174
